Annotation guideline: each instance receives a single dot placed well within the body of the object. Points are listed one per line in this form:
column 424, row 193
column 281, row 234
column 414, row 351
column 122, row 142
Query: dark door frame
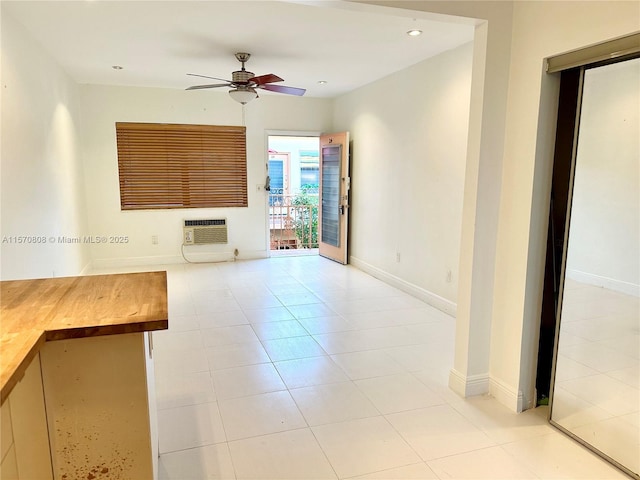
column 568, row 121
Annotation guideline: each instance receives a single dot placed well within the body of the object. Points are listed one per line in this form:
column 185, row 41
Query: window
column 181, row 166
column 309, row 170
column 309, row 176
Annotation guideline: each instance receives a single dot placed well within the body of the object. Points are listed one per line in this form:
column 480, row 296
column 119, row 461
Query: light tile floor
column 300, row 368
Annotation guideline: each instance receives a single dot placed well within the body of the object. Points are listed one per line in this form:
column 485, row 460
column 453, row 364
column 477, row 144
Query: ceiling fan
column 245, row 83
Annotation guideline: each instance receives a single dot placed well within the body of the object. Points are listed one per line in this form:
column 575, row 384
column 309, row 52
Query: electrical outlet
column 398, row 257
column 154, row 239
column 448, row 276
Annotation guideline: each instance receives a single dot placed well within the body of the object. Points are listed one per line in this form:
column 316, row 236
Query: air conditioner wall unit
column 205, row 232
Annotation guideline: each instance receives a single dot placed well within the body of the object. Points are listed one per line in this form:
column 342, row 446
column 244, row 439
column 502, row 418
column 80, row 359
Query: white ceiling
column 158, row 42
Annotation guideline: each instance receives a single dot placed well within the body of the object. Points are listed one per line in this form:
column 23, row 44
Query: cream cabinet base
column 24, row 430
column 97, row 401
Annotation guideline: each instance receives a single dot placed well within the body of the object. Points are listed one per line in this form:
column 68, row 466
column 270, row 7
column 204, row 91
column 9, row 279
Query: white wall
column 103, row 106
column 507, row 182
column 470, row 374
column 409, row 134
column 42, row 175
column 604, row 236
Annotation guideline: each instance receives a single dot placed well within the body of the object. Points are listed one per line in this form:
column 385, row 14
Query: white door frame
column 276, row 133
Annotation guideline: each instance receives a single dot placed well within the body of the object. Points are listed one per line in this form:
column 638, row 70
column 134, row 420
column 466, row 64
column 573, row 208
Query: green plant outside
column 305, row 209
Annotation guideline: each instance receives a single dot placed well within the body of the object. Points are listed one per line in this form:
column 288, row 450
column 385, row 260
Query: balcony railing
column 293, row 220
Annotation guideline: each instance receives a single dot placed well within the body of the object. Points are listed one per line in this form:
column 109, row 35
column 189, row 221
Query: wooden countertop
column 35, row 311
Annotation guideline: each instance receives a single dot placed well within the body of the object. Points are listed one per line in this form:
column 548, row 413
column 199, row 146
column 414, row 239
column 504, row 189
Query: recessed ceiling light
column 117, row 67
column 414, row 32
column 322, row 82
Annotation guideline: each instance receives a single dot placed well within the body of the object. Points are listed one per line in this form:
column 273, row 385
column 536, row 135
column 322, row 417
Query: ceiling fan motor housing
column 241, row 76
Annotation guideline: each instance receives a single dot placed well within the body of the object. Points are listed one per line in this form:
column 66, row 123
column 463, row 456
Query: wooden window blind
column 181, row 166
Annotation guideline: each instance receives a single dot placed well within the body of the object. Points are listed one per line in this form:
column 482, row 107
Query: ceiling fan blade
column 268, row 78
column 283, row 89
column 213, row 85
column 212, row 78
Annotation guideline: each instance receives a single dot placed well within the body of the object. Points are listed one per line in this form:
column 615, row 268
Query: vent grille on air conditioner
column 205, row 232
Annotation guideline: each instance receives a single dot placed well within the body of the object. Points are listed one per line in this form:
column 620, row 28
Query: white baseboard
column 512, row 399
column 99, row 263
column 482, row 384
column 468, row 386
column 426, row 296
column 193, row 255
column 604, row 282
column 253, row 255
column 196, row 257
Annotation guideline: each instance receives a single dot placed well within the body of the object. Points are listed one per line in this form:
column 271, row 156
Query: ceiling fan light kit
column 243, row 95
column 244, row 83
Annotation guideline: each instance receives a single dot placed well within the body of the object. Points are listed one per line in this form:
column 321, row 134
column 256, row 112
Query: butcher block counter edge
column 35, row 311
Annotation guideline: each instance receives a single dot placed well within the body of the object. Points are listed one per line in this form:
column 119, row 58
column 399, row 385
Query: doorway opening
column 294, row 176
